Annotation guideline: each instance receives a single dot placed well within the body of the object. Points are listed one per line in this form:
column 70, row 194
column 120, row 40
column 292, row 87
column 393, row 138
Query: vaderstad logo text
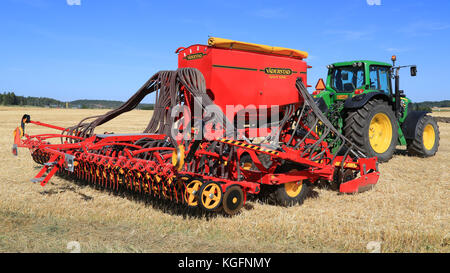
column 277, row 71
column 194, row 56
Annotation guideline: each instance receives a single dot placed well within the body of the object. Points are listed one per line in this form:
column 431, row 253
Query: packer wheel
column 292, row 193
column 210, row 196
column 233, row 200
column 191, row 192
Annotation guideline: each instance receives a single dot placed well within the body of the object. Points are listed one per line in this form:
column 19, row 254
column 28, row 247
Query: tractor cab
column 347, row 79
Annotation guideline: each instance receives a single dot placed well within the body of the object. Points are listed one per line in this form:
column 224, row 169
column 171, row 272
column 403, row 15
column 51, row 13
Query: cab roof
column 362, row 61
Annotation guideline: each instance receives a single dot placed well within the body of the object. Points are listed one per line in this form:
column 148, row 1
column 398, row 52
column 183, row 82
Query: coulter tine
column 37, row 180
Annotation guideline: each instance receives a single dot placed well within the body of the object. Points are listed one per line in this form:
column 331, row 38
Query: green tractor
column 360, row 101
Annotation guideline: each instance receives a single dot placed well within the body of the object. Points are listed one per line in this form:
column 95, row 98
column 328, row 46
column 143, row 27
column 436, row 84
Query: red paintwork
column 85, row 151
column 247, row 83
column 360, row 184
column 233, row 77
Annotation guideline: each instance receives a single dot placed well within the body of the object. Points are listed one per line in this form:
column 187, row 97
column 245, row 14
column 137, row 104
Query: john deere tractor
column 363, row 100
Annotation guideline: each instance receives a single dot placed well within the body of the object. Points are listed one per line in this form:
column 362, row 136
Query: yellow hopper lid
column 226, row 43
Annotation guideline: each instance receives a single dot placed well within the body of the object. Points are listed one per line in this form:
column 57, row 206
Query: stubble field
column 407, row 211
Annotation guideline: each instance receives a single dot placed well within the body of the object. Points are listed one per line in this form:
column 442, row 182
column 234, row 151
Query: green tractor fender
column 361, row 100
column 409, row 126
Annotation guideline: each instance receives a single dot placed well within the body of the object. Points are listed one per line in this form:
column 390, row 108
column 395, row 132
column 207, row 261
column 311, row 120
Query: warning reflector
column 320, row 85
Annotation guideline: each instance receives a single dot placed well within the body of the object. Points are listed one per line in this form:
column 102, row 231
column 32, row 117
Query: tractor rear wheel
column 426, row 141
column 374, row 129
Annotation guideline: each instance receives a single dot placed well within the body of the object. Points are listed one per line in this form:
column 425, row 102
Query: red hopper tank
column 238, row 73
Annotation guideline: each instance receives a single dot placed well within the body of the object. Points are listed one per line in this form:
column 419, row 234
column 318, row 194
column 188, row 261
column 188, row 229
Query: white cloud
column 73, row 2
column 373, row 2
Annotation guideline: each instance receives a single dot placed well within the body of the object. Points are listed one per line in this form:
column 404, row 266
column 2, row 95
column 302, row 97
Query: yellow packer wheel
column 210, row 196
column 191, row 192
column 292, row 193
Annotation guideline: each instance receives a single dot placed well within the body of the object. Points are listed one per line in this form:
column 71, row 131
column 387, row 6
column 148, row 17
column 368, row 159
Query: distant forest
column 9, row 98
column 428, row 105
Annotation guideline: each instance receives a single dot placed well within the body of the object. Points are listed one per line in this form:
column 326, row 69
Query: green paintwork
column 331, row 97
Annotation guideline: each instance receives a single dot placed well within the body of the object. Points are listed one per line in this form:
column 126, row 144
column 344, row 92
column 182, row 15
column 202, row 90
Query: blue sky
column 106, row 49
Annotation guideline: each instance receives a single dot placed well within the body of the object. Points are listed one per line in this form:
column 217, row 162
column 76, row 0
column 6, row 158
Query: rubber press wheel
column 233, row 200
column 292, row 193
column 426, row 141
column 374, row 129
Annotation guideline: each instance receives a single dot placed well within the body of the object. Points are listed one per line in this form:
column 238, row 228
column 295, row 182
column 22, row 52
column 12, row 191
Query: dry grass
column 445, row 113
column 408, row 210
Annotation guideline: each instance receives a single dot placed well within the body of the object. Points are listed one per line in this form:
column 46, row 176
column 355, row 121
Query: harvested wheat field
column 407, row 211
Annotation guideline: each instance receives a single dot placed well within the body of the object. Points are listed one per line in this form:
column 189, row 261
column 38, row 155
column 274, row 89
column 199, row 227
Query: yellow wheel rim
column 191, row 192
column 211, row 196
column 293, row 189
column 178, row 157
column 380, row 133
column 429, row 137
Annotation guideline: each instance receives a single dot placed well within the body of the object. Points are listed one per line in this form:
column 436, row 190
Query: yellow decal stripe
column 248, row 146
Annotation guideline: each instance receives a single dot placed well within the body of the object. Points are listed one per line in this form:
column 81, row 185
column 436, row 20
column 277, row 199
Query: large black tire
column 426, row 141
column 358, row 124
column 281, row 195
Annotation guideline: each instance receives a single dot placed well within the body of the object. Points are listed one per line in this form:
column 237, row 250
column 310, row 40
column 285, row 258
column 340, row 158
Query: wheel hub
column 429, row 137
column 380, row 133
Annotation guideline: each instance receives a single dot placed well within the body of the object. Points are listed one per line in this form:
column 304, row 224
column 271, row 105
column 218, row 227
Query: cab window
column 380, row 78
column 346, row 79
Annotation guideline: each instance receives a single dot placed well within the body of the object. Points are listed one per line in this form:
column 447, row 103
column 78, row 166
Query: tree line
column 428, row 105
column 9, row 98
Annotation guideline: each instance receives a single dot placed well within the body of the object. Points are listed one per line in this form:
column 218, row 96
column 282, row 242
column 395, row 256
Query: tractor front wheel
column 374, row 129
column 426, row 140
